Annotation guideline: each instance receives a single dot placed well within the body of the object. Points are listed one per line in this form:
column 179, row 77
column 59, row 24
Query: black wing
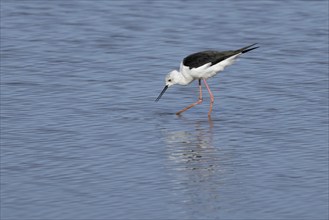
column 198, row 59
column 210, row 56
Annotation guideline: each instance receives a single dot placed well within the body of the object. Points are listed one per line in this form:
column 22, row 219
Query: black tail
column 246, row 49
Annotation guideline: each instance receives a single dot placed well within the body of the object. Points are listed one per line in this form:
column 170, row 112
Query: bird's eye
column 169, row 80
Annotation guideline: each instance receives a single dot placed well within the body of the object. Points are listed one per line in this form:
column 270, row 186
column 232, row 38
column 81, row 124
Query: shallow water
column 82, row 138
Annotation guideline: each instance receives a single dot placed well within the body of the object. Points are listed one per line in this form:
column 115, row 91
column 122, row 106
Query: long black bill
column 163, row 91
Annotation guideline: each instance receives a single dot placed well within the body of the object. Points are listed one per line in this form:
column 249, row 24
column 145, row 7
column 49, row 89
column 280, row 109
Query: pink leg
column 211, row 97
column 194, row 104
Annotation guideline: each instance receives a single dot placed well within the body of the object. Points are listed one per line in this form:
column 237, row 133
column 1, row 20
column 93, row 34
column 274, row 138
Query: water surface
column 82, row 138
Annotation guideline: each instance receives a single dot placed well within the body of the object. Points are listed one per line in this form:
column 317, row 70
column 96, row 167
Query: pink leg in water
column 211, row 97
column 194, row 104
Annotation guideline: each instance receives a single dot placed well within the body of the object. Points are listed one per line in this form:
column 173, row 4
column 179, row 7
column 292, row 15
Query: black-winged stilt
column 201, row 66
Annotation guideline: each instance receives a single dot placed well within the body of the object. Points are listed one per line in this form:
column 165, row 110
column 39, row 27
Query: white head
column 172, row 78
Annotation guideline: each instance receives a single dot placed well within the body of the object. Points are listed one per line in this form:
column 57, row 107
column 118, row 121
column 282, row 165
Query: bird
column 201, row 66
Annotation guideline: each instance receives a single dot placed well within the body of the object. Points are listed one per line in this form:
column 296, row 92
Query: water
column 82, row 138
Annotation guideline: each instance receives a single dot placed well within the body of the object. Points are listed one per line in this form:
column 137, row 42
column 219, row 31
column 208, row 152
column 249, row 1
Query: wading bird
column 201, row 66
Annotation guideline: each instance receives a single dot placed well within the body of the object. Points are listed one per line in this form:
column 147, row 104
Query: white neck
column 183, row 79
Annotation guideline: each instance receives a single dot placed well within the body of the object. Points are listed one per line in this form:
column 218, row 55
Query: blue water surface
column 82, row 138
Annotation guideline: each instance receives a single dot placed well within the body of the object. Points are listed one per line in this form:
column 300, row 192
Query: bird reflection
column 194, row 162
column 191, row 146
